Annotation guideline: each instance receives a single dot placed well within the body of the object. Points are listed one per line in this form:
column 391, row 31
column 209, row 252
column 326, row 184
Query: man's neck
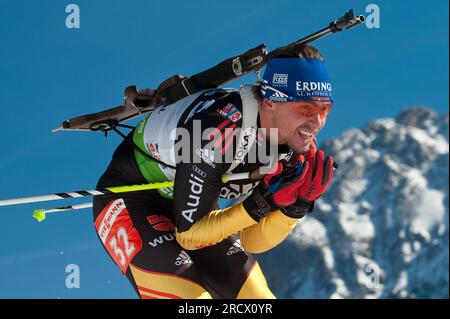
column 264, row 124
column 282, row 148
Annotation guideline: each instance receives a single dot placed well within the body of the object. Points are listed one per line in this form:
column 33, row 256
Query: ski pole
column 107, row 190
column 40, row 214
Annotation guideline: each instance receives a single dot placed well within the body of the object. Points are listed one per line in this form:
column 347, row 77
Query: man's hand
column 317, row 178
column 278, row 189
column 313, row 185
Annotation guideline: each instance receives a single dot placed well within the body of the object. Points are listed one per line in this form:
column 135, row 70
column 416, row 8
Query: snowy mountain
column 381, row 230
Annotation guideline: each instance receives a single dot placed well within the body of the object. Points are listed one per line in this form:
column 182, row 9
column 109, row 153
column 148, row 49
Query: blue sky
column 49, row 73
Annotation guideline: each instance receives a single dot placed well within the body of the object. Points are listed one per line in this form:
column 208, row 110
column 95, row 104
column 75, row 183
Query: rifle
column 138, row 102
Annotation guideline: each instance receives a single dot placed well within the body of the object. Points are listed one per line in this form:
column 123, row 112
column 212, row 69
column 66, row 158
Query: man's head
column 296, row 97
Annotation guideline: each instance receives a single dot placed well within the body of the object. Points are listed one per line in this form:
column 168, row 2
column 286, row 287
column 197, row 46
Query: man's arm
column 274, row 228
column 268, row 233
column 198, row 181
column 214, row 227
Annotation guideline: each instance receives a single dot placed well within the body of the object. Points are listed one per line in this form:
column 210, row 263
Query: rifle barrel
column 347, row 21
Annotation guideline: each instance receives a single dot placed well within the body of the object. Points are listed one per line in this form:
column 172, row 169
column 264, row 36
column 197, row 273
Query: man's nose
column 316, row 119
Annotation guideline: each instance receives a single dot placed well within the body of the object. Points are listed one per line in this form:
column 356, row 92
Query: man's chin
column 300, row 148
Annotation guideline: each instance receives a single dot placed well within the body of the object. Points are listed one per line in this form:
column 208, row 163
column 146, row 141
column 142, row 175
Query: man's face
column 299, row 122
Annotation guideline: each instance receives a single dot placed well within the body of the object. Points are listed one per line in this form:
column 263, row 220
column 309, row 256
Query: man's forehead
column 309, row 104
column 303, row 103
column 314, row 103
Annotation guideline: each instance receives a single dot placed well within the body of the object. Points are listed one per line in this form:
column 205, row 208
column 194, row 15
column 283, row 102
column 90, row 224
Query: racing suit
column 176, row 242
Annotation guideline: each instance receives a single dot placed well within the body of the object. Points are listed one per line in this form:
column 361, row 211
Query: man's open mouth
column 306, row 134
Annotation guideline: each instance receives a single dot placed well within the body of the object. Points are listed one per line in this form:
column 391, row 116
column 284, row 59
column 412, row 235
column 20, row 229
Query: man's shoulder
column 218, row 105
column 223, row 96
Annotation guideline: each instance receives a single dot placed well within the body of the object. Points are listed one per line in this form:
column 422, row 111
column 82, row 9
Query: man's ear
column 268, row 106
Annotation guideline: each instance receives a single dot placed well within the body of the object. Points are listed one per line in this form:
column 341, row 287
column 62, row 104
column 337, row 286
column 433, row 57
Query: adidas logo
column 183, row 258
column 235, row 248
column 278, row 97
column 279, row 94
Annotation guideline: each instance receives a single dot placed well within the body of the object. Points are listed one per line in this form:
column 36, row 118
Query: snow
column 341, row 289
column 401, row 285
column 391, row 163
column 416, row 179
column 359, row 161
column 352, row 188
column 387, row 123
column 365, row 208
column 439, row 144
column 323, row 206
column 328, row 257
column 369, row 275
column 433, row 130
column 310, row 232
column 359, row 227
column 429, row 213
column 416, row 246
column 345, row 154
column 442, row 229
column 407, row 252
column 371, row 156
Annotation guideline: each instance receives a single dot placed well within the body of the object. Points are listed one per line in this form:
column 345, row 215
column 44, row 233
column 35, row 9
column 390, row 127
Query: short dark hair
column 257, row 92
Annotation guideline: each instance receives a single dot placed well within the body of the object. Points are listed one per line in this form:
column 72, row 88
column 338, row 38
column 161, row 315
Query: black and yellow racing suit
column 176, row 242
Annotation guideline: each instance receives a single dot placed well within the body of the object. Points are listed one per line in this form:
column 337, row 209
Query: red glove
column 317, row 177
column 285, row 182
column 277, row 190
